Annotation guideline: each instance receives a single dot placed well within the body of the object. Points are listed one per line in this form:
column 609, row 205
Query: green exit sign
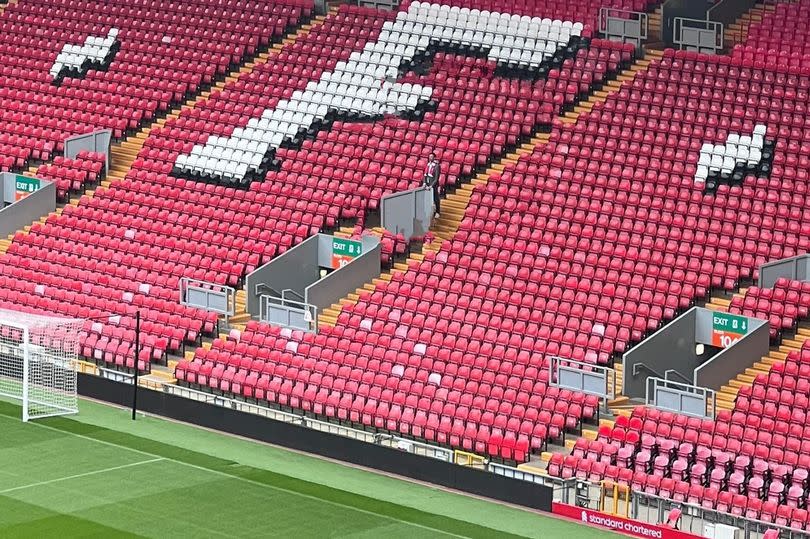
column 728, row 328
column 24, row 186
column 344, row 250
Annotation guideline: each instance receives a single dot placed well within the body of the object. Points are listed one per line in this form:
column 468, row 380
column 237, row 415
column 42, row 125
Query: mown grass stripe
column 272, row 479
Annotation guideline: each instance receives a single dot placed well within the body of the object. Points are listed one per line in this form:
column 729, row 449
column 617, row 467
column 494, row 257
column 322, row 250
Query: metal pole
column 137, row 356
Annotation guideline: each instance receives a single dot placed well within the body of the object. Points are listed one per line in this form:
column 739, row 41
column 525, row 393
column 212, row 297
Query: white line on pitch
column 77, row 476
column 246, row 480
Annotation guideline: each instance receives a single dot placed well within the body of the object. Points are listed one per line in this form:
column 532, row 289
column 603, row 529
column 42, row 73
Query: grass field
column 99, row 474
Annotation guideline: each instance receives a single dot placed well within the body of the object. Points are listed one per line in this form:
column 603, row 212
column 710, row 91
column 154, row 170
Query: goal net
column 38, row 360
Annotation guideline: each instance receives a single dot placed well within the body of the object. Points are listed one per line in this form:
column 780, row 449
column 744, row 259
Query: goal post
column 38, row 360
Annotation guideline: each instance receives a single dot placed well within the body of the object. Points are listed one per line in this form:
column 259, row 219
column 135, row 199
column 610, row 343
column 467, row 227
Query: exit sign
column 344, row 251
column 728, row 329
column 24, row 186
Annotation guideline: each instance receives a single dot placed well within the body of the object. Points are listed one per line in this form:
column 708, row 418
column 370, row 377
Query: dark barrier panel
column 690, row 9
column 386, row 459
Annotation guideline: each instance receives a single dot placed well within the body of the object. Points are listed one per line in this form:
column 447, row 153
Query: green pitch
column 101, row 475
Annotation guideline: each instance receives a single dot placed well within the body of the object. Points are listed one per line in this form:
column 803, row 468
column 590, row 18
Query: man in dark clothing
column 432, row 172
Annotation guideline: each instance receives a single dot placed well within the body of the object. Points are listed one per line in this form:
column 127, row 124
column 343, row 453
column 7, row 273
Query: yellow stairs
column 728, row 392
column 655, row 25
column 241, row 316
column 737, row 32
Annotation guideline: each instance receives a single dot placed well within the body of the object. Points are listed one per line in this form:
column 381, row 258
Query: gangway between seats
column 293, row 288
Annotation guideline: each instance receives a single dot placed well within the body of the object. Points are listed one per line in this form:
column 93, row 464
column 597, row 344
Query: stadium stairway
column 124, row 153
column 454, row 205
column 777, row 354
column 453, row 210
column 737, row 32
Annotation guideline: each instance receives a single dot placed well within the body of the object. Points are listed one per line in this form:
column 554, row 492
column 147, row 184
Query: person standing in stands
column 432, row 173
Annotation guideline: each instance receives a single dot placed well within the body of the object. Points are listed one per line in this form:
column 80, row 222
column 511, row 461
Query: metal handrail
column 637, row 367
column 681, row 376
column 264, row 287
column 221, row 290
column 709, row 395
column 290, row 304
column 294, row 293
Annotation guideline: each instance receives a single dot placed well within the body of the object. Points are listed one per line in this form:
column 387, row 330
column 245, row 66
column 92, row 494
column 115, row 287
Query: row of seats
column 783, row 305
column 781, row 35
column 445, row 402
column 753, row 460
column 71, row 175
column 585, row 11
column 164, row 53
column 595, row 239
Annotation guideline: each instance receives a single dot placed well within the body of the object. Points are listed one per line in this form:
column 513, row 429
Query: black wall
column 690, row 9
column 260, row 428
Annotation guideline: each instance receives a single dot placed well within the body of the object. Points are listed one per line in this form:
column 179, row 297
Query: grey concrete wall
column 24, row 212
column 97, row 141
column 345, row 280
column 671, row 347
column 795, row 267
column 728, row 11
column 297, row 268
column 408, row 212
column 735, row 359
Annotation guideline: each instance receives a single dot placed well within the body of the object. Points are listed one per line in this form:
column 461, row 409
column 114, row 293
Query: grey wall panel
column 733, row 360
column 795, row 267
column 97, row 141
column 345, row 280
column 728, row 11
column 671, row 347
column 408, row 213
column 703, row 326
column 296, row 269
column 28, row 210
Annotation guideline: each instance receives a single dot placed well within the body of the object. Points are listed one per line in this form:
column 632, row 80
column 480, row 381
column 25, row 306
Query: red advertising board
column 619, row 524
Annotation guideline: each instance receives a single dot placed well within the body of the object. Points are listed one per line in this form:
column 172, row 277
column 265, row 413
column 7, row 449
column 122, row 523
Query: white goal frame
column 41, row 374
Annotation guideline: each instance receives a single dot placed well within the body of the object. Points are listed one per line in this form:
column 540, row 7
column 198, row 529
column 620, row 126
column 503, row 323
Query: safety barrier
column 208, row 296
column 463, row 458
column 287, row 312
column 694, row 518
column 681, row 398
column 698, row 35
column 583, row 377
column 623, row 25
column 617, row 492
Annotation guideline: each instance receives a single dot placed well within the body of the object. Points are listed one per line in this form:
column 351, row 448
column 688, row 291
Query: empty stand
column 781, row 37
column 165, row 51
column 783, row 305
column 493, row 427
